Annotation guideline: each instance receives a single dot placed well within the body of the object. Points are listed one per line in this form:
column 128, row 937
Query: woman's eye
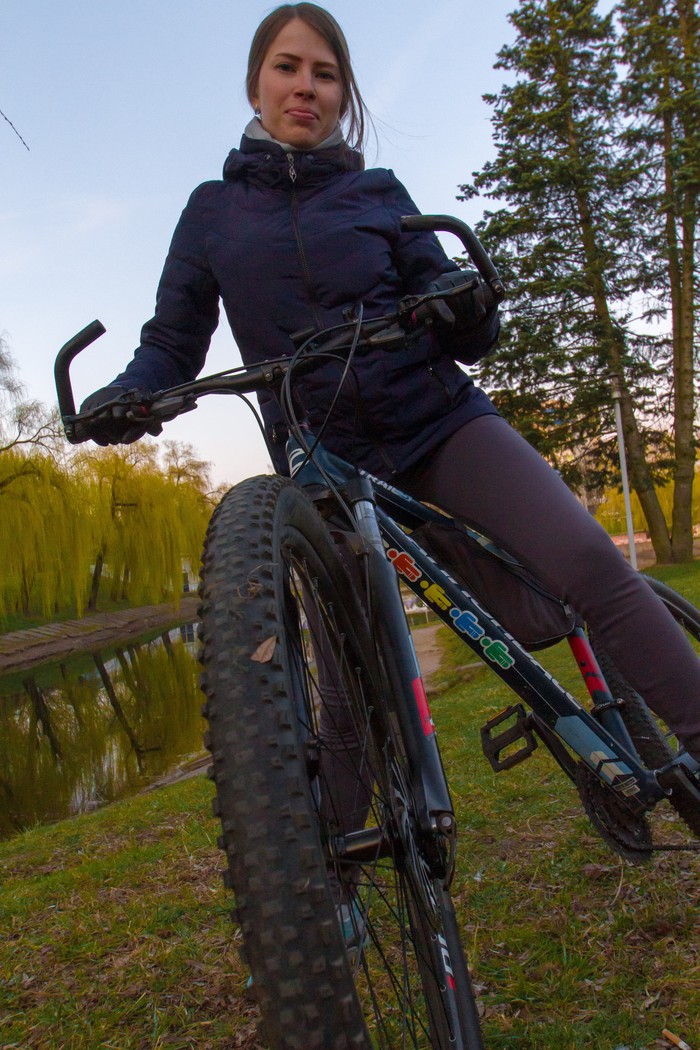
column 325, row 74
column 286, row 67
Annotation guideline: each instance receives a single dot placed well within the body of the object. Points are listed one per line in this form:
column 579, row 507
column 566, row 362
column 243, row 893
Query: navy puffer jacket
column 291, row 241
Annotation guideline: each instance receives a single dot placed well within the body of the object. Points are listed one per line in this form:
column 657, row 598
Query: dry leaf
column 263, row 654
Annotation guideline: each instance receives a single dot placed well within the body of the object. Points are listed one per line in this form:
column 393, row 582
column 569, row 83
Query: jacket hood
column 267, row 162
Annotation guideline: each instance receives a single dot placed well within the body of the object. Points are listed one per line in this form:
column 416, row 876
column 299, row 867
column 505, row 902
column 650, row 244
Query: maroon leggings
column 488, row 476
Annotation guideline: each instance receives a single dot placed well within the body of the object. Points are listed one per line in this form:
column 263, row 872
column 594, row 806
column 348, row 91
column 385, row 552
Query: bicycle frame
column 381, row 513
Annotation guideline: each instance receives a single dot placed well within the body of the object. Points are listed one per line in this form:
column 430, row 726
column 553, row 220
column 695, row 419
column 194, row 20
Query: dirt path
column 53, row 642
column 428, row 651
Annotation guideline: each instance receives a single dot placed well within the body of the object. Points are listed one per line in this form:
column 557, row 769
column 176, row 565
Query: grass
column 684, row 578
column 571, row 946
column 117, row 934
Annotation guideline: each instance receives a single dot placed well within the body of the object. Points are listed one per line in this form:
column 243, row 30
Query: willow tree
column 10, row 386
column 43, row 541
column 145, row 524
column 567, row 240
column 44, row 535
column 182, row 465
column 24, row 423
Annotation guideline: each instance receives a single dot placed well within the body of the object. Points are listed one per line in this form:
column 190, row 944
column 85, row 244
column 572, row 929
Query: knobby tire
column 284, row 639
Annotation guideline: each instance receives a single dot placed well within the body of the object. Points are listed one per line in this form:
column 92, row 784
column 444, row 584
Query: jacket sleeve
column 174, row 343
column 419, row 259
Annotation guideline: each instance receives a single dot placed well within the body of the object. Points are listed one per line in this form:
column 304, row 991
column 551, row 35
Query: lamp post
column 617, row 396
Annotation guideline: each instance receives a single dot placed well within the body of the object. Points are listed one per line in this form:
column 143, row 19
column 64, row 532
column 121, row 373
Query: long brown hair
column 352, row 108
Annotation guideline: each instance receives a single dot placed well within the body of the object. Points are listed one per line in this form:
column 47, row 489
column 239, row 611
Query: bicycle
column 328, row 779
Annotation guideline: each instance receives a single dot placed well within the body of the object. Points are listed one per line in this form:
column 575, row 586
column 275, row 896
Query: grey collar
column 255, row 130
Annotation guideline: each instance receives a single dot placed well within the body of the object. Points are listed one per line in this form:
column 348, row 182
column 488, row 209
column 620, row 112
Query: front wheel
column 351, row 940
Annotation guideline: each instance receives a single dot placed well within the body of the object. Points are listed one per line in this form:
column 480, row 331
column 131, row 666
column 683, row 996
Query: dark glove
column 463, row 311
column 113, row 427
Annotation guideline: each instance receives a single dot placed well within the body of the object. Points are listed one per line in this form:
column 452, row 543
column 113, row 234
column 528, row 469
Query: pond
column 101, row 726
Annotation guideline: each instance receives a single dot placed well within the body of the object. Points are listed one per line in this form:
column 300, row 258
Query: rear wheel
column 312, row 792
column 655, row 743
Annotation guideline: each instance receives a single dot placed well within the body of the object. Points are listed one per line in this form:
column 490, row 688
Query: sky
column 127, row 105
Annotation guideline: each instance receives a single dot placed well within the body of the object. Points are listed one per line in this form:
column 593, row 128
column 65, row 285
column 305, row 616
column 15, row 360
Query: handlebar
column 471, row 243
column 414, row 313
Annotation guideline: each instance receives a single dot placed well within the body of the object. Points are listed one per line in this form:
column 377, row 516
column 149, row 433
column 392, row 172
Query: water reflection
column 95, row 729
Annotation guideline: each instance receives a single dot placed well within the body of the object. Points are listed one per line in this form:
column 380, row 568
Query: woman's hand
column 114, row 426
column 466, row 305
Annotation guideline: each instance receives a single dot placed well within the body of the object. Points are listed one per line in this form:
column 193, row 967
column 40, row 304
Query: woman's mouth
column 305, row 115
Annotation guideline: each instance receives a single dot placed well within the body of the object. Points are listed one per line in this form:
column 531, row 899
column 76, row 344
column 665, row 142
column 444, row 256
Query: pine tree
column 660, row 46
column 567, row 240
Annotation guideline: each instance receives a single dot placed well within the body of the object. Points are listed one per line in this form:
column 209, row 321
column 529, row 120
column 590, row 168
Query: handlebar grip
column 471, row 243
column 65, row 355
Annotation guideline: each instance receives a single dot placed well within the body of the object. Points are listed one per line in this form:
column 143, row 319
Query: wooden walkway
column 55, row 642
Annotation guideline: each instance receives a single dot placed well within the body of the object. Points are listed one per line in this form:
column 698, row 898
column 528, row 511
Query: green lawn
column 116, row 932
column 683, row 578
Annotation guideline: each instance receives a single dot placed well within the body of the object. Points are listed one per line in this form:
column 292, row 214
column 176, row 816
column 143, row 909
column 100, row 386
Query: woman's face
column 299, row 91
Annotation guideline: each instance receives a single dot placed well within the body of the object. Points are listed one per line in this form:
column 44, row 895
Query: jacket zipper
column 448, row 393
column 292, row 169
column 306, row 272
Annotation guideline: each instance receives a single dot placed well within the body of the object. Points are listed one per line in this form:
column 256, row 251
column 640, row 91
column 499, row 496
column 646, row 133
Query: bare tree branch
column 15, row 130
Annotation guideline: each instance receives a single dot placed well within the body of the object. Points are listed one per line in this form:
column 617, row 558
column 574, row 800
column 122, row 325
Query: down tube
column 499, row 651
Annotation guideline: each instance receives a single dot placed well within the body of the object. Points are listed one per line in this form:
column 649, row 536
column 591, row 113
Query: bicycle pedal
column 681, row 776
column 495, row 745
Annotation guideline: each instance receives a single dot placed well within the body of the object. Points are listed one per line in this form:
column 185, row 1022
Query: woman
column 298, row 235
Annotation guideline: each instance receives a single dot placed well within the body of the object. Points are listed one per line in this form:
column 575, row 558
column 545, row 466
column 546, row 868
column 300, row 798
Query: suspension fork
column 408, row 701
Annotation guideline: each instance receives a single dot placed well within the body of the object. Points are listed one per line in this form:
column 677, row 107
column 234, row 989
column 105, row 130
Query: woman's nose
column 304, row 82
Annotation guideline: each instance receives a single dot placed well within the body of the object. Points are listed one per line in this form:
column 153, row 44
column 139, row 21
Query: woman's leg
column 489, row 476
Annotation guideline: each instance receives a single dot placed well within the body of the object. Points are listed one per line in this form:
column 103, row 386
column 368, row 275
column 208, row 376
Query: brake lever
column 396, row 335
column 167, row 408
column 415, row 311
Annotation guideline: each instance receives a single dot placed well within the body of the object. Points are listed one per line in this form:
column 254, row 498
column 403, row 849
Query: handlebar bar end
column 64, row 357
